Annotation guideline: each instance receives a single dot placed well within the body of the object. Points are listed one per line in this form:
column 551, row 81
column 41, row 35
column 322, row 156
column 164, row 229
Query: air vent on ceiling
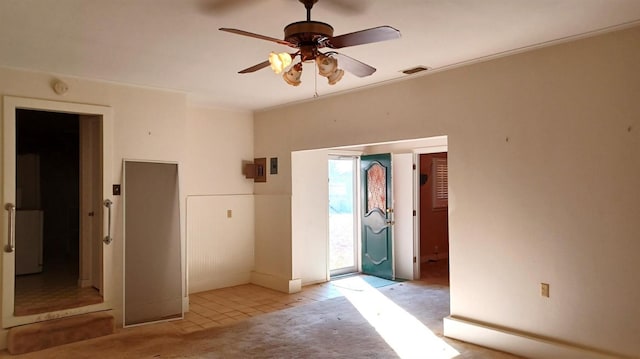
column 415, row 70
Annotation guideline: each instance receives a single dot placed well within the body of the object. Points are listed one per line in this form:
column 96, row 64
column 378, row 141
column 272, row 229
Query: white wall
column 273, row 248
column 310, row 224
column 217, row 141
column 148, row 125
column 220, row 250
column 544, row 166
column 208, row 144
column 273, row 251
column 402, row 182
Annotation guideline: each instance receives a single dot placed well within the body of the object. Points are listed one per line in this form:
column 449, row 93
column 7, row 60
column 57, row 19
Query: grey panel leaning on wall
column 153, row 278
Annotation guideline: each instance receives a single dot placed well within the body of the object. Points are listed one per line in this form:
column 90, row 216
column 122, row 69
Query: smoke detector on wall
column 60, row 87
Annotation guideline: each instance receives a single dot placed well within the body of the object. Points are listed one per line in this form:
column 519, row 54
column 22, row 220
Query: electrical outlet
column 544, row 289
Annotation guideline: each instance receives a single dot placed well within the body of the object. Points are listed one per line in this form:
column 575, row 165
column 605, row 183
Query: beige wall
column 148, row 125
column 208, row 144
column 544, row 161
column 310, row 223
column 558, row 202
column 220, row 249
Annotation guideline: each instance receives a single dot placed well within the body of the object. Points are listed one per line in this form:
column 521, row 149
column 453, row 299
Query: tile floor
column 49, row 291
column 228, row 305
column 207, row 309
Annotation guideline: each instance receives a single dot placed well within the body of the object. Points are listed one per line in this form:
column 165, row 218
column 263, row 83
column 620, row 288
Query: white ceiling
column 175, row 44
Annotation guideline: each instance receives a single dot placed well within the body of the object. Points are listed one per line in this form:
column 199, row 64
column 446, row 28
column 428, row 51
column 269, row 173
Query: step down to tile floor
column 33, row 337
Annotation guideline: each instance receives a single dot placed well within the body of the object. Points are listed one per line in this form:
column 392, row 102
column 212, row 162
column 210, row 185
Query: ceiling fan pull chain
column 315, row 84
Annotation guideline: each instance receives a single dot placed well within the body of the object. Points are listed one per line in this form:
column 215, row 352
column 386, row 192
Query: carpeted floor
column 361, row 324
column 372, row 281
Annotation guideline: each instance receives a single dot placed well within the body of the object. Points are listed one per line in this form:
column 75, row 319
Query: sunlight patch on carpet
column 375, row 282
column 405, row 334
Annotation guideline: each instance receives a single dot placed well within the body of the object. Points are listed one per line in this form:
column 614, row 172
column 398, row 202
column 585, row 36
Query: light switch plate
column 261, row 169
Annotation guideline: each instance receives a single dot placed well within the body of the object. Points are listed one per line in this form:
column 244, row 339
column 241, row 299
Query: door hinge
column 414, row 167
column 415, row 259
column 415, row 213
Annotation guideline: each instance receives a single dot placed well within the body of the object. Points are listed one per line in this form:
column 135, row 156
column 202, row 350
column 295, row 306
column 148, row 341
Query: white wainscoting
column 220, row 248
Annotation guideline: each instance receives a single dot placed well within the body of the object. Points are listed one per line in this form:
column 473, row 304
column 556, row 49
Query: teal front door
column 377, row 245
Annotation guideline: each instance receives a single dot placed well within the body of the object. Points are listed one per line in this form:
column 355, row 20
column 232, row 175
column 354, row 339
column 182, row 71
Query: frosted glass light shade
column 292, row 77
column 279, row 62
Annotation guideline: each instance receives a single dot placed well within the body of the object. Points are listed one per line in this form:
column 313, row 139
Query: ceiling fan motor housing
column 301, row 32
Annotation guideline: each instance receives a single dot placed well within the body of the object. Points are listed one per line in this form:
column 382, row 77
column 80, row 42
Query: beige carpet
column 333, row 328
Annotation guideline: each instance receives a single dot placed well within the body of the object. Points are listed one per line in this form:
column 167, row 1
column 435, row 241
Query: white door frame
column 11, row 104
column 357, row 264
column 436, row 145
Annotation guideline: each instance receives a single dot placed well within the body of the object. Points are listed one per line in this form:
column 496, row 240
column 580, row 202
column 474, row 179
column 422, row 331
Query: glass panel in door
column 342, row 215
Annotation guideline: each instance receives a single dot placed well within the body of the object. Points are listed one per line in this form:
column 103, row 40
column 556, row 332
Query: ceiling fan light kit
column 292, row 77
column 308, row 37
column 280, row 61
column 328, row 67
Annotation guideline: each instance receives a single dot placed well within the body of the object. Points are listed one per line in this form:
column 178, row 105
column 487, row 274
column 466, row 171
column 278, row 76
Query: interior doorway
column 434, row 217
column 50, row 252
column 343, row 248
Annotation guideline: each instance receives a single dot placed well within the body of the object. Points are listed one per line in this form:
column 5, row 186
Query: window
column 439, row 173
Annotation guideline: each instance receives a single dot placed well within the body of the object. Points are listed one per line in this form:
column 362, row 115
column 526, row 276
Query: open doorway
column 434, row 217
column 343, row 250
column 310, row 228
column 50, row 253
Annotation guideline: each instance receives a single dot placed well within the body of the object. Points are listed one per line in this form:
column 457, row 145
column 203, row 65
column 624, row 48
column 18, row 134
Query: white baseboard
column 312, row 282
column 217, row 282
column 516, row 343
column 277, row 283
column 295, row 286
column 185, row 304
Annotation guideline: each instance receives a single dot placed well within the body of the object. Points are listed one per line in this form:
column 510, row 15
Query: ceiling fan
column 308, row 37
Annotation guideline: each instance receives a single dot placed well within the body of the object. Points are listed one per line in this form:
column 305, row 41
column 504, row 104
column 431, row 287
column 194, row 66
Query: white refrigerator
column 28, row 241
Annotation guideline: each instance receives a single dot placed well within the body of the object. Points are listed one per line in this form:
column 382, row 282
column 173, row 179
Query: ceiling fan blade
column 352, row 65
column 376, row 34
column 257, row 36
column 255, row 68
column 263, row 64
